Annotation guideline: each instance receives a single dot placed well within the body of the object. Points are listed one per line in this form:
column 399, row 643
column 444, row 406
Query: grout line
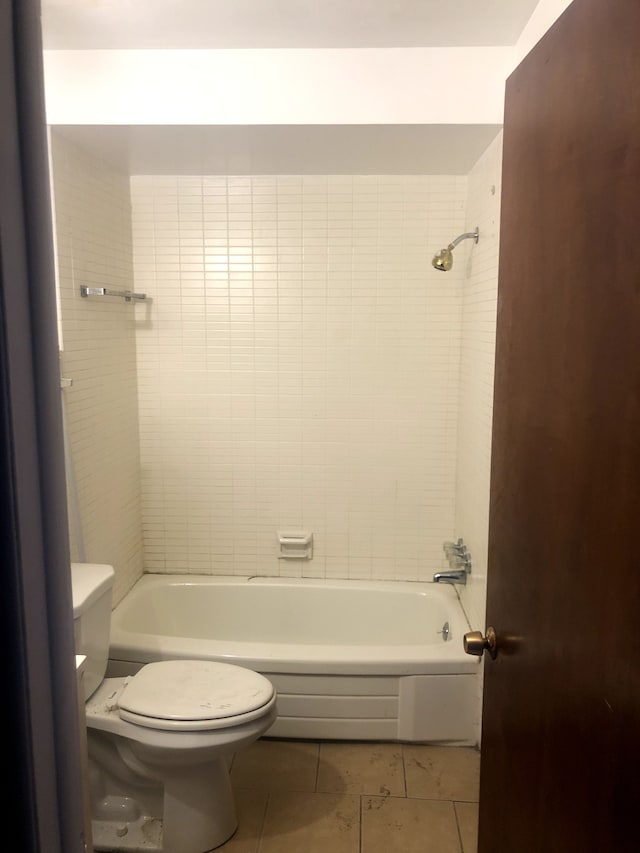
column 263, row 821
column 361, row 812
column 317, row 768
column 404, row 773
column 455, row 811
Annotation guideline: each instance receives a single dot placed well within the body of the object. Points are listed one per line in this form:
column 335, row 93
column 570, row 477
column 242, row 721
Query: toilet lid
column 194, row 695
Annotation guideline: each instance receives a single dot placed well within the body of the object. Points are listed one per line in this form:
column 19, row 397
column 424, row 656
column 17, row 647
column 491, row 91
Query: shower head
column 443, row 261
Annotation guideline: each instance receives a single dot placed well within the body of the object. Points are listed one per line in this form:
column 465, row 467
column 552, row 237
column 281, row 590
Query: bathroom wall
column 300, row 366
column 299, row 370
column 278, row 86
column 544, row 16
column 93, row 246
column 478, row 328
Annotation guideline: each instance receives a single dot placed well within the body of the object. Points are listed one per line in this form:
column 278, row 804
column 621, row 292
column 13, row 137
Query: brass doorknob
column 476, row 644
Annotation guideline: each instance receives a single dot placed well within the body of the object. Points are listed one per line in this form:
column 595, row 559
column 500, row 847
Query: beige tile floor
column 325, row 797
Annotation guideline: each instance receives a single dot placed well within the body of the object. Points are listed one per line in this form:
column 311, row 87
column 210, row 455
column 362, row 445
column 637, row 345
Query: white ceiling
column 185, row 24
column 246, row 24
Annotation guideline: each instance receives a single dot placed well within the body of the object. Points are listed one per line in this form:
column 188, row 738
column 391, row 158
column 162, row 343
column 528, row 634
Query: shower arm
column 470, row 235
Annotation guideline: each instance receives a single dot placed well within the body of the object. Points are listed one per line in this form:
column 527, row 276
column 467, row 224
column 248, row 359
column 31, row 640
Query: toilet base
column 198, row 815
column 145, row 833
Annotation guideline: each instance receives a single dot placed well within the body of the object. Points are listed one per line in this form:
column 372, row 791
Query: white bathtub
column 349, row 659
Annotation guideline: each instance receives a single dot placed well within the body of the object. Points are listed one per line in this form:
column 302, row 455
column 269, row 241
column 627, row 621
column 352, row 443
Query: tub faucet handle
column 457, row 555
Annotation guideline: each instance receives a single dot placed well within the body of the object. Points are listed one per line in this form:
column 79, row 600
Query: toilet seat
column 194, row 695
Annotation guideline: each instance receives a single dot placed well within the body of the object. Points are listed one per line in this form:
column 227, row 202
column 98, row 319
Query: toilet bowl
column 159, row 741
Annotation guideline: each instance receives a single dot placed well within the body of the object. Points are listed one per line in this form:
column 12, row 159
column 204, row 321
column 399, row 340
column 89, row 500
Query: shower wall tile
column 93, row 246
column 476, row 375
column 298, row 368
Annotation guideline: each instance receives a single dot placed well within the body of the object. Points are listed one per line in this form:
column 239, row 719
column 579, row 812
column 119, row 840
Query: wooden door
column 561, row 720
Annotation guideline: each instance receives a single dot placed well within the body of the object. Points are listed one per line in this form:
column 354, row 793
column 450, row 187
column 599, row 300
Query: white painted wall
column 324, row 86
column 544, row 16
column 421, row 85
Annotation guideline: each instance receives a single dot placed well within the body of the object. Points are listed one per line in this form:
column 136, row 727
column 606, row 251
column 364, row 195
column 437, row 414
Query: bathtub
column 349, row 659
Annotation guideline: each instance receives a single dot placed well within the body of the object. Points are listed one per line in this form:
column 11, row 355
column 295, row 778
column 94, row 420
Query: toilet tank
column 92, row 586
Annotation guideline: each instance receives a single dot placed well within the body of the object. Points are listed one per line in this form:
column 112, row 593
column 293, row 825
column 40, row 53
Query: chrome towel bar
column 106, row 291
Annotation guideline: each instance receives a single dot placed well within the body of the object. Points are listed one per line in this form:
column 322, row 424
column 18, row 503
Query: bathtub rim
column 447, row 658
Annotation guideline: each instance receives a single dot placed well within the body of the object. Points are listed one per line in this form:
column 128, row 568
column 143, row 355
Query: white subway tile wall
column 298, row 369
column 93, row 246
column 476, row 375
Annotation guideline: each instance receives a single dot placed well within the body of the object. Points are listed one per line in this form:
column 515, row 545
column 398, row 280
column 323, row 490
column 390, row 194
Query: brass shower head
column 443, row 261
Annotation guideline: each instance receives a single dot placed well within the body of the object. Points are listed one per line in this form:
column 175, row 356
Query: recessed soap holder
column 295, row 545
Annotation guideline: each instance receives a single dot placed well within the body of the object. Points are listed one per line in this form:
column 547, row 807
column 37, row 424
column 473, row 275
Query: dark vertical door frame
column 42, row 750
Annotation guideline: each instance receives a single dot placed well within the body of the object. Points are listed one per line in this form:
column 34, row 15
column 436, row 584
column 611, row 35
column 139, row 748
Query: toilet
column 159, row 741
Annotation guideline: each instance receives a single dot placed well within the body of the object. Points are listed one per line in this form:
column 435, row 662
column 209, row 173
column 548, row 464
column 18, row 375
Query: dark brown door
column 561, row 721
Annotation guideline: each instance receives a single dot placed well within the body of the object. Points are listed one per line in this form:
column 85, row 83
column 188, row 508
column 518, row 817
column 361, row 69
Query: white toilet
column 159, row 740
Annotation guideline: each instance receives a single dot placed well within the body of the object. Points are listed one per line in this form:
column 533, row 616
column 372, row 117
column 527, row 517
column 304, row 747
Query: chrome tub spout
column 456, row 576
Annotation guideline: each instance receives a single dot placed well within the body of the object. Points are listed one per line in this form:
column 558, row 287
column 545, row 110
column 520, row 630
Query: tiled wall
column 476, row 374
column 298, row 369
column 93, row 245
column 301, row 366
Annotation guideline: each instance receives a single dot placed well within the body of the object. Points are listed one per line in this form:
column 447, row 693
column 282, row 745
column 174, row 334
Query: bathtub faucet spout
column 456, row 576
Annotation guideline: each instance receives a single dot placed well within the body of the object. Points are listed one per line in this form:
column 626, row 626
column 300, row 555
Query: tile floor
column 326, row 797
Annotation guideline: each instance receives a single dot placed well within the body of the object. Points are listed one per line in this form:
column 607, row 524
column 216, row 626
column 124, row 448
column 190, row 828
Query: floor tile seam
column 278, row 791
column 285, row 790
column 455, row 812
column 442, row 799
column 355, row 793
column 404, row 771
column 359, row 793
column 415, row 799
column 263, row 821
